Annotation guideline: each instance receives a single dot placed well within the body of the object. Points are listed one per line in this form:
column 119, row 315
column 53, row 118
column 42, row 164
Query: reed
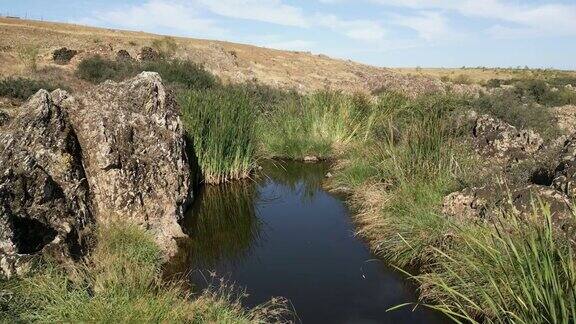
column 221, row 125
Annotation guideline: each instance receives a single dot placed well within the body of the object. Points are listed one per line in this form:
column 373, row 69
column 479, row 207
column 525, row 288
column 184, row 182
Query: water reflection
column 221, row 225
column 281, row 234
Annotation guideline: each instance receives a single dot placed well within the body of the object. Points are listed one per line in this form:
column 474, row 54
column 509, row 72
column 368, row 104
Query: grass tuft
column 521, row 273
column 221, row 125
column 121, row 283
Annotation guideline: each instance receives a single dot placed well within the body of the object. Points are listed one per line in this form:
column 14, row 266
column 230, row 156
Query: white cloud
column 526, row 19
column 429, row 25
column 359, row 29
column 271, row 11
column 156, row 14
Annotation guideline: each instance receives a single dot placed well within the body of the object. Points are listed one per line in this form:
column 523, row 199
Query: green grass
column 23, row 88
column 521, row 272
column 221, row 124
column 318, row 125
column 416, row 158
column 121, row 283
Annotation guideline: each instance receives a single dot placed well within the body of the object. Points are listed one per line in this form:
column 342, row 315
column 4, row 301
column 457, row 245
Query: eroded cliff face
column 114, row 153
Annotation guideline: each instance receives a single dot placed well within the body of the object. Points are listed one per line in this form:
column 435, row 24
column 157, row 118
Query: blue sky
column 427, row 33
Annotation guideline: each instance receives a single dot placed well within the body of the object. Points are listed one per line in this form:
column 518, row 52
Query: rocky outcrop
column 565, row 117
column 63, row 55
column 44, row 198
column 504, row 142
column 4, row 118
column 116, row 152
column 565, row 173
column 468, row 205
column 123, row 55
column 148, row 54
column 134, row 154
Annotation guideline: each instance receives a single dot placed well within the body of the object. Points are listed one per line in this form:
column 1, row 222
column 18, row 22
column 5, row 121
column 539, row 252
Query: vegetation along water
column 329, row 206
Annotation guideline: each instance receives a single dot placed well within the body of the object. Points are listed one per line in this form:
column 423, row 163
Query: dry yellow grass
column 480, row 75
column 231, row 62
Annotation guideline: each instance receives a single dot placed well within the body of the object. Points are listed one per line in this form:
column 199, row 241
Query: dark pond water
column 282, row 235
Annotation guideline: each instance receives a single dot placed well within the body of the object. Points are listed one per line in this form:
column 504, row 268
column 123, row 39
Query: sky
column 391, row 33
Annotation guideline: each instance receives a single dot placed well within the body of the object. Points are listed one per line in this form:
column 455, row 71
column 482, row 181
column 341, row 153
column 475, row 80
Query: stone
column 497, row 139
column 134, row 154
column 468, row 205
column 565, row 172
column 123, row 56
column 4, row 118
column 565, row 117
column 311, row 159
column 44, row 199
column 148, row 54
column 63, row 55
column 523, row 200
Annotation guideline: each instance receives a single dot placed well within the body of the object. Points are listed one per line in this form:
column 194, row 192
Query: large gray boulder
column 134, row 154
column 115, row 153
column 44, row 199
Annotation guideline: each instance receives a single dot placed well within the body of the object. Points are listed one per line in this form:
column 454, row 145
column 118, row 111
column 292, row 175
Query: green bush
column 22, row 88
column 543, row 93
column 511, row 109
column 221, row 124
column 97, row 69
column 179, row 73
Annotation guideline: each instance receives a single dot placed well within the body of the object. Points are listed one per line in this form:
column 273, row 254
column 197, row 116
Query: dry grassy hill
column 231, row 62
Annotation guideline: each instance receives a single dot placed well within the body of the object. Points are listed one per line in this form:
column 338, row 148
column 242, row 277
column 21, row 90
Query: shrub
column 22, row 88
column 521, row 274
column 180, row 74
column 97, row 69
column 462, row 79
column 183, row 74
column 516, row 112
column 165, row 46
column 28, row 56
column 221, row 125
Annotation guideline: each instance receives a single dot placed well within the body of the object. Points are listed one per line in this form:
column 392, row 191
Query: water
column 283, row 235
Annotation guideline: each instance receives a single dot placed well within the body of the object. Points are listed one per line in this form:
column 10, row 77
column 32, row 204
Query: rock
column 329, row 175
column 524, row 199
column 311, row 159
column 44, row 199
column 63, row 55
column 123, row 56
column 495, row 138
column 565, row 173
column 565, row 117
column 472, row 205
column 468, row 205
column 148, row 54
column 4, row 118
column 134, row 154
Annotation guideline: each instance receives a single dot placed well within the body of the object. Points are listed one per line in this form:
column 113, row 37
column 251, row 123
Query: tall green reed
column 220, row 123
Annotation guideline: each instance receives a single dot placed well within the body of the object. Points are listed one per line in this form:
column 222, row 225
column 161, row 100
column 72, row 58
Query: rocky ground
column 521, row 164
